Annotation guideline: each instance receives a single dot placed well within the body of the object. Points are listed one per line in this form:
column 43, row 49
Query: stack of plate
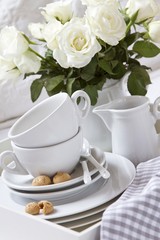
column 76, row 204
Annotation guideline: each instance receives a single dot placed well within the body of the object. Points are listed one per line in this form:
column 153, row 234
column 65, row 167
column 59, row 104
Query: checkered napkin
column 136, row 214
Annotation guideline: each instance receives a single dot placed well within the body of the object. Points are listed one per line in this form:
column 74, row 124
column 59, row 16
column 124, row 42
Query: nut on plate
column 32, row 208
column 41, row 180
column 61, row 177
column 46, row 206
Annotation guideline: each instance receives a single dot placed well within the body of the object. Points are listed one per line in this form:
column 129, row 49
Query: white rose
column 107, row 23
column 12, row 42
column 8, row 70
column 9, row 75
column 6, row 65
column 76, row 45
column 154, row 31
column 78, row 8
column 50, row 31
column 36, row 30
column 61, row 10
column 28, row 62
column 95, row 2
column 147, row 9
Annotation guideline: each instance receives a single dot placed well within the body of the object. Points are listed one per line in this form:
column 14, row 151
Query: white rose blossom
column 6, row 65
column 95, row 2
column 78, row 8
column 8, row 70
column 15, row 53
column 9, row 75
column 106, row 22
column 36, row 30
column 28, row 62
column 147, row 9
column 76, row 45
column 50, row 31
column 60, row 10
column 12, row 42
column 154, row 31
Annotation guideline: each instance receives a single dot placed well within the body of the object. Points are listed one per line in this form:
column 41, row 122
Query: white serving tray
column 16, row 226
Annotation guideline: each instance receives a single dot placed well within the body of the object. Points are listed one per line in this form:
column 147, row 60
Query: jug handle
column 156, row 108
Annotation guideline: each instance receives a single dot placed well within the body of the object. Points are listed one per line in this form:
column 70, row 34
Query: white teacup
column 46, row 160
column 52, row 121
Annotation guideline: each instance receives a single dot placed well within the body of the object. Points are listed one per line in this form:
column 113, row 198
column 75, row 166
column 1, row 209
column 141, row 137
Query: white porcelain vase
column 93, row 127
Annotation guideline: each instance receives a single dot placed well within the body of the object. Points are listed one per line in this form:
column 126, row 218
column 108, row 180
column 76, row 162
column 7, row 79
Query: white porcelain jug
column 93, row 128
column 131, row 120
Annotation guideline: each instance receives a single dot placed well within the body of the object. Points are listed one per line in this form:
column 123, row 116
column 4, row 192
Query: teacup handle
column 156, row 110
column 87, row 103
column 17, row 169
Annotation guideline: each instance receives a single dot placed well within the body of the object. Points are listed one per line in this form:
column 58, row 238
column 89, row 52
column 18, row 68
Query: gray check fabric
column 136, row 214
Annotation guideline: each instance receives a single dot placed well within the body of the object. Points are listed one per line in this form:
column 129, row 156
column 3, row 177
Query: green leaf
column 100, row 84
column 130, row 39
column 77, row 85
column 106, row 66
column 131, row 22
column 134, row 17
column 146, row 49
column 132, row 63
column 58, row 89
column 48, row 53
column 53, row 82
column 70, row 82
column 36, row 88
column 92, row 92
column 138, row 81
column 119, row 71
column 114, row 63
column 110, row 55
column 102, row 42
column 122, row 54
column 97, row 81
column 89, row 71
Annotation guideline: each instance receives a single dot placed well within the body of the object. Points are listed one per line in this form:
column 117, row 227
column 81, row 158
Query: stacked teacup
column 48, row 138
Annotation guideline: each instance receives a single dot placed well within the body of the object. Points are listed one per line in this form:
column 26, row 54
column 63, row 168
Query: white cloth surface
column 136, row 214
column 3, row 134
column 15, row 97
column 20, row 12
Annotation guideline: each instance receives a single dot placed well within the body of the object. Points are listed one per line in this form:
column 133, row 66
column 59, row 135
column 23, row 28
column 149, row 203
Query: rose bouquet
column 73, row 49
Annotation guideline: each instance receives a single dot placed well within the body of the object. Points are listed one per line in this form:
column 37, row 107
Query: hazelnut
column 61, row 177
column 32, row 208
column 46, row 206
column 41, row 180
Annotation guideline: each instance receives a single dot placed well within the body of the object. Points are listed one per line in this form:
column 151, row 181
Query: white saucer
column 122, row 174
column 83, row 214
column 24, row 182
column 63, row 196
